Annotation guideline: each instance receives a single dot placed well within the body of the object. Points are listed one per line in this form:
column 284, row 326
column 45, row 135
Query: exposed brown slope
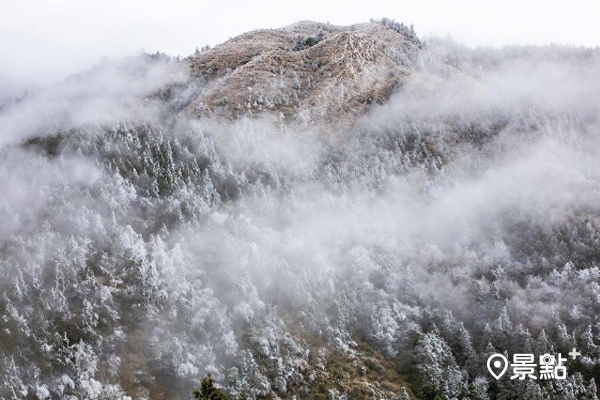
column 333, row 81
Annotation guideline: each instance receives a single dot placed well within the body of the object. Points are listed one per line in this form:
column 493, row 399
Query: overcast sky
column 42, row 41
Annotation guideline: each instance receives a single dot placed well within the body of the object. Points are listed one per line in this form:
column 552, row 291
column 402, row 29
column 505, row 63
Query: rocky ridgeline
column 305, row 73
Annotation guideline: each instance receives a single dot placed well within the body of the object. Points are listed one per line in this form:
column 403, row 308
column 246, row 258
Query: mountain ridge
column 306, row 73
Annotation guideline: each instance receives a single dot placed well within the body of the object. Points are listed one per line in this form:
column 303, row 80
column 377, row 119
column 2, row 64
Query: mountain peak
column 305, row 73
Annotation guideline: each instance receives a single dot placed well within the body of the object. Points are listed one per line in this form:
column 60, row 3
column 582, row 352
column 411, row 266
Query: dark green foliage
column 50, row 145
column 306, row 42
column 208, row 390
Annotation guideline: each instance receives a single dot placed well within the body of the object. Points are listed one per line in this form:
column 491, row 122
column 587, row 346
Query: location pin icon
column 497, row 365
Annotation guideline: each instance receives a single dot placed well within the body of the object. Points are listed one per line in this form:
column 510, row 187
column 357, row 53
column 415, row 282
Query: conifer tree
column 208, row 390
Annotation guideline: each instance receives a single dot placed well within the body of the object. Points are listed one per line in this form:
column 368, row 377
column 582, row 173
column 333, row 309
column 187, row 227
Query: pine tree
column 543, row 345
column 208, row 390
column 588, row 346
column 404, row 394
column 439, row 373
column 533, row 392
column 592, row 390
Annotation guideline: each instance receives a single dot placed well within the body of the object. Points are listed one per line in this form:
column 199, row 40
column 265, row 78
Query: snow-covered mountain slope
column 151, row 233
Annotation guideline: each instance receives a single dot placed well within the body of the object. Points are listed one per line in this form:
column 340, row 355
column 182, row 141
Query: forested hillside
column 312, row 212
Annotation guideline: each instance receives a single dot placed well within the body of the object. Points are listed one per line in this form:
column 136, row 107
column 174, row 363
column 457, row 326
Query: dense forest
column 143, row 248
